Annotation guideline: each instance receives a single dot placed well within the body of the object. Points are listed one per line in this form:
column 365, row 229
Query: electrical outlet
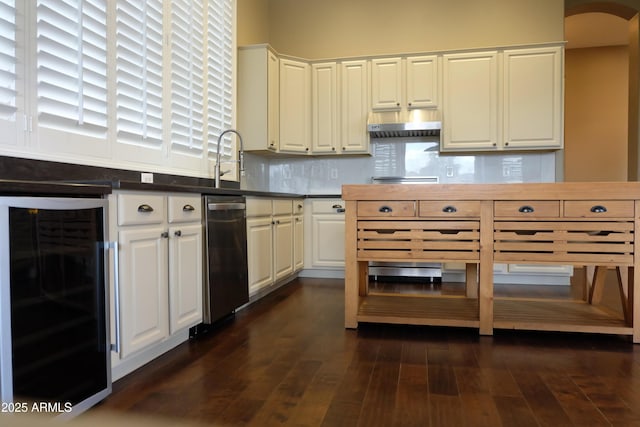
column 146, row 177
column 449, row 171
column 334, row 173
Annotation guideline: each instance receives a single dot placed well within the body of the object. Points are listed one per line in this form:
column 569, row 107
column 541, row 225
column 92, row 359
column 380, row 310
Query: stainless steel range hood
column 392, row 124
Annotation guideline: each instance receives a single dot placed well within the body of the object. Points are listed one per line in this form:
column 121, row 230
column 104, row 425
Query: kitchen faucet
column 217, row 172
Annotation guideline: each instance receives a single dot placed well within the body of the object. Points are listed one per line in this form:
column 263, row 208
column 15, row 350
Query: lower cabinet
column 157, row 294
column 274, row 241
column 325, row 234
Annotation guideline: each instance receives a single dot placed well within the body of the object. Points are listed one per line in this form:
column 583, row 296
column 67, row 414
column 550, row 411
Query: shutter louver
column 187, row 79
column 219, row 74
column 139, row 72
column 8, row 92
column 72, row 68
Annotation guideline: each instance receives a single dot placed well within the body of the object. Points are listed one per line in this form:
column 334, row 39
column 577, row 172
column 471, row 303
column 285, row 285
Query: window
column 7, row 60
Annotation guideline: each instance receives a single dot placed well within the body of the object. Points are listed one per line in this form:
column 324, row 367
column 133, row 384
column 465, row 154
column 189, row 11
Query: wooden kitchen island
column 582, row 224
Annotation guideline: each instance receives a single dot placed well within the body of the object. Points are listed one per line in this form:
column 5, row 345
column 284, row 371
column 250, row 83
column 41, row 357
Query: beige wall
column 316, row 29
column 596, row 114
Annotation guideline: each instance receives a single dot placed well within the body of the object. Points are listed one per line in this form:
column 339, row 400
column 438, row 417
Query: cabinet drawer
column 327, row 206
column 460, row 208
column 185, row 209
column 528, row 209
column 598, row 208
column 387, row 209
column 258, row 207
column 282, row 206
column 140, row 209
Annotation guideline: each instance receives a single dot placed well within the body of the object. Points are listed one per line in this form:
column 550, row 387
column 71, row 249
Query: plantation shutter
column 8, row 93
column 220, row 57
column 72, row 66
column 187, row 78
column 139, row 73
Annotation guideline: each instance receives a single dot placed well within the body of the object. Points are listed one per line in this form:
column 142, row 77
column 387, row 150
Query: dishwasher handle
column 225, row 206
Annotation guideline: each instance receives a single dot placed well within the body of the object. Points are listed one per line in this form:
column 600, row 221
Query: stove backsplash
column 326, row 174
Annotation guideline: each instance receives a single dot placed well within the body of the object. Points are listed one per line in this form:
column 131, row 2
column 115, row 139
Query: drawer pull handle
column 188, row 208
column 337, row 206
column 385, row 209
column 525, row 209
column 341, row 210
column 598, row 209
column 449, row 209
column 145, row 208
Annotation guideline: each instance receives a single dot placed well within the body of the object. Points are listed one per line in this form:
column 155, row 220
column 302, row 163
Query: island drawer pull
column 449, row 209
column 598, row 209
column 336, row 207
column 385, row 209
column 526, row 209
column 145, row 208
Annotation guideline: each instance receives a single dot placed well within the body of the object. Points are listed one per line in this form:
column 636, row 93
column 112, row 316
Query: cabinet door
column 470, row 104
column 185, row 276
column 294, row 106
column 283, row 246
column 298, row 242
column 533, row 98
column 324, row 108
column 327, row 240
column 354, row 107
column 143, row 288
column 273, row 101
column 386, row 84
column 259, row 253
column 422, row 81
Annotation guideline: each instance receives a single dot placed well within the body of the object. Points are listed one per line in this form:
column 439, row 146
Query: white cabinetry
column 324, row 108
column 298, row 234
column 295, row 133
column 325, row 234
column 386, row 83
column 272, row 243
column 354, row 84
column 410, row 82
column 258, row 98
column 158, row 292
column 470, row 101
column 520, row 107
column 533, row 98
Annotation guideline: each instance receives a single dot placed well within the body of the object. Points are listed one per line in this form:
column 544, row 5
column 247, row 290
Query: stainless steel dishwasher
column 227, row 284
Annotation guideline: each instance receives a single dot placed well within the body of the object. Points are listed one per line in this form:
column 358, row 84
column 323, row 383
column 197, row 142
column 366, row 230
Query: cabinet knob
column 306, row 149
column 188, row 208
column 165, row 235
column 145, row 208
column 178, row 233
column 506, row 144
column 397, row 104
column 409, row 104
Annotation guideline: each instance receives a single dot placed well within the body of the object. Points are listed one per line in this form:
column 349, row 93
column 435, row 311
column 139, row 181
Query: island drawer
column 527, row 209
column 598, row 209
column 387, row 208
column 454, row 209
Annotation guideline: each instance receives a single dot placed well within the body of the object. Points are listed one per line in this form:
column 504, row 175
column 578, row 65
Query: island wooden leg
column 485, row 297
column 471, row 280
column 352, row 273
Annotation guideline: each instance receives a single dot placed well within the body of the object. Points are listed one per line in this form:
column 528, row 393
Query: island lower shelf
column 519, row 314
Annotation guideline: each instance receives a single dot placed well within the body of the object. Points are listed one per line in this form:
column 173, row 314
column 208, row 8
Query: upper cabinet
column 533, row 99
column 294, row 106
column 503, row 100
column 410, row 82
column 470, row 101
column 489, row 100
column 258, row 98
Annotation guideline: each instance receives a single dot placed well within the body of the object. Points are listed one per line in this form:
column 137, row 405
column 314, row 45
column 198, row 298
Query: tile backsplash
column 394, row 157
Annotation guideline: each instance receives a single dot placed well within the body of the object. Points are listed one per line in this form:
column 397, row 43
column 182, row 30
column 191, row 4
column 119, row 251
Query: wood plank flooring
column 287, row 360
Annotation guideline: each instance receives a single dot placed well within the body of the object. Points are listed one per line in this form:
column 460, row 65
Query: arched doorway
column 601, row 99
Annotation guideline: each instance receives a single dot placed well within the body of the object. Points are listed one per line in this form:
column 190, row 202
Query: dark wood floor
column 287, row 360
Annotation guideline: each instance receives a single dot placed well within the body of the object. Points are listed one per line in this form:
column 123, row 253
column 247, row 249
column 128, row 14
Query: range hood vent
column 393, row 124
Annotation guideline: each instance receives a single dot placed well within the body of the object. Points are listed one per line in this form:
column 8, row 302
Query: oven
column 406, row 271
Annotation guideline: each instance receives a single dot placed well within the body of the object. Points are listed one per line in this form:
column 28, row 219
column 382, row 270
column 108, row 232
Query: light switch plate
column 146, row 177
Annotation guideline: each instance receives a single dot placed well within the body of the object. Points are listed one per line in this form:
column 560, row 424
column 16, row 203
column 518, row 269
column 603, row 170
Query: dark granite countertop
column 13, row 187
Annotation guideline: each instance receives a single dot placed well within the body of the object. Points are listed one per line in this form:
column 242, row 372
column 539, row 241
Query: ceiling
column 595, row 29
